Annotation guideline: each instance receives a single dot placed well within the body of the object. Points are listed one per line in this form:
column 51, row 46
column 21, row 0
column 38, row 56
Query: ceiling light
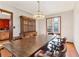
column 39, row 14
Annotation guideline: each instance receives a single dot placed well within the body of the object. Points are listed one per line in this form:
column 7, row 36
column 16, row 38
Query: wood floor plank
column 71, row 50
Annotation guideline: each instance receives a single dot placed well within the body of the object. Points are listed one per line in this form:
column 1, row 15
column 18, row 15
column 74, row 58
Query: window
column 53, row 25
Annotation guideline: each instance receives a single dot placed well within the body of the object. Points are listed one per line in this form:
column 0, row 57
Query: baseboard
column 69, row 42
column 4, row 40
column 17, row 37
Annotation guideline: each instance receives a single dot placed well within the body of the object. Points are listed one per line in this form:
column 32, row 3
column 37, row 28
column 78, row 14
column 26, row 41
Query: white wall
column 66, row 25
column 76, row 27
column 41, row 26
column 16, row 19
column 67, row 22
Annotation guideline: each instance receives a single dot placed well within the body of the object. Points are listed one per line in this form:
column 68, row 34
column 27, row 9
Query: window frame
column 59, row 33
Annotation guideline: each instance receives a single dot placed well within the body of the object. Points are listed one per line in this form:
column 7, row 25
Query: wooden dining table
column 25, row 47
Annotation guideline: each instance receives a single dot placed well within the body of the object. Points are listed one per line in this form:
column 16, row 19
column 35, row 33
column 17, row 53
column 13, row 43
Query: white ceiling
column 47, row 7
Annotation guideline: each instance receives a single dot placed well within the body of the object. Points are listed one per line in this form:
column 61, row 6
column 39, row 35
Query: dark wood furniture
column 26, row 46
column 28, row 26
column 61, row 51
column 4, row 35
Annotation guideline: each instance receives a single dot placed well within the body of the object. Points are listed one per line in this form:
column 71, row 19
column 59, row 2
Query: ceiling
column 47, row 7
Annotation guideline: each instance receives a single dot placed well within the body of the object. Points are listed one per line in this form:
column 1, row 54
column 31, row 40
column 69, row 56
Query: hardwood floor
column 4, row 52
column 71, row 51
column 3, row 42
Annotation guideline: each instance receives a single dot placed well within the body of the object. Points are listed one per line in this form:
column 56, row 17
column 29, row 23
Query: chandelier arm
column 39, row 15
column 38, row 7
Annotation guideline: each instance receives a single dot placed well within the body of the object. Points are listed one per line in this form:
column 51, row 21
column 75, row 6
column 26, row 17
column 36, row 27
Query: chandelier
column 39, row 14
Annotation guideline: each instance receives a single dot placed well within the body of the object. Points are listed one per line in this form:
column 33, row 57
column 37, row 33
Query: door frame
column 11, row 23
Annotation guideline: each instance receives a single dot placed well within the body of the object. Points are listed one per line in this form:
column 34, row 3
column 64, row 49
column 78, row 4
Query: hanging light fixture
column 39, row 14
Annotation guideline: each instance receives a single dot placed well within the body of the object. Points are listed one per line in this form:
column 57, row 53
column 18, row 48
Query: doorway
column 6, row 25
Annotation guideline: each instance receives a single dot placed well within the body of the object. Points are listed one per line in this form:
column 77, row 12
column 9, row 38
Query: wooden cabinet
column 4, row 29
column 4, row 35
column 27, row 25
